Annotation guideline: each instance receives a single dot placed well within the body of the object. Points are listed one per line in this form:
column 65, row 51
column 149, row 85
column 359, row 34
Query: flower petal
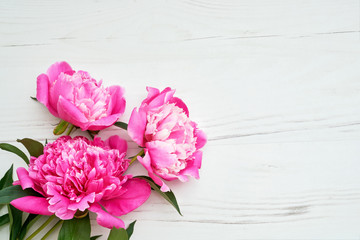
column 102, row 123
column 137, row 125
column 152, row 93
column 178, row 102
column 161, row 153
column 32, row 204
column 83, row 204
column 70, row 113
column 24, row 178
column 59, row 204
column 162, row 98
column 192, row 168
column 146, row 162
column 105, row 219
column 117, row 101
column 42, row 93
column 60, row 88
column 57, row 68
column 137, row 192
column 115, row 142
column 201, row 138
column 42, row 89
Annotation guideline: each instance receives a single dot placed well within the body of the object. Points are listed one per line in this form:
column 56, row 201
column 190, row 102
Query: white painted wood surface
column 274, row 84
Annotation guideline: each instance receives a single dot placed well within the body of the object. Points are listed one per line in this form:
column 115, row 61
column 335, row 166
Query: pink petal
column 167, row 177
column 42, row 89
column 162, row 98
column 60, row 88
column 68, row 112
column 16, row 182
column 117, row 102
column 83, row 203
column 161, row 153
column 102, row 123
column 57, row 68
column 152, row 93
column 146, row 162
column 137, row 192
column 178, row 102
column 201, row 139
column 59, row 205
column 192, row 168
column 42, row 93
column 197, row 159
column 137, row 125
column 115, row 142
column 169, row 94
column 105, row 219
column 24, row 178
column 32, row 204
column 158, row 181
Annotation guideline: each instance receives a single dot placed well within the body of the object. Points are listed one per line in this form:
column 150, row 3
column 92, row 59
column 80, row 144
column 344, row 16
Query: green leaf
column 34, row 147
column 61, row 127
column 30, row 220
column 4, row 219
column 75, row 229
column 7, row 179
column 13, row 192
column 118, row 234
column 95, row 237
column 34, row 98
column 121, row 125
column 15, row 216
column 169, row 196
column 130, row 229
column 13, row 149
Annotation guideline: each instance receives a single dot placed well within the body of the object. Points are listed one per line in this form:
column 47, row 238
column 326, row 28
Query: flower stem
column 141, row 153
column 29, row 222
column 41, row 227
column 70, row 130
column 52, row 229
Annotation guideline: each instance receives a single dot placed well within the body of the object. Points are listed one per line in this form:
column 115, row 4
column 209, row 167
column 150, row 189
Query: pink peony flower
column 78, row 98
column 75, row 175
column 172, row 141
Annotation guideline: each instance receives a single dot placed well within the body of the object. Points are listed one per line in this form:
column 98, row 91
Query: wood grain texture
column 274, row 84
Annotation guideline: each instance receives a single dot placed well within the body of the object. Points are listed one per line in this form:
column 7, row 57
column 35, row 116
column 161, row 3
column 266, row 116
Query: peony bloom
column 78, row 98
column 75, row 175
column 171, row 140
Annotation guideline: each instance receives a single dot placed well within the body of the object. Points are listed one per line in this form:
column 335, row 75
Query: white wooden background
column 274, row 84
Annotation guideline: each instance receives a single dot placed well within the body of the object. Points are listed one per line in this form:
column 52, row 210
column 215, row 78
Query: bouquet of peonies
column 70, row 177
